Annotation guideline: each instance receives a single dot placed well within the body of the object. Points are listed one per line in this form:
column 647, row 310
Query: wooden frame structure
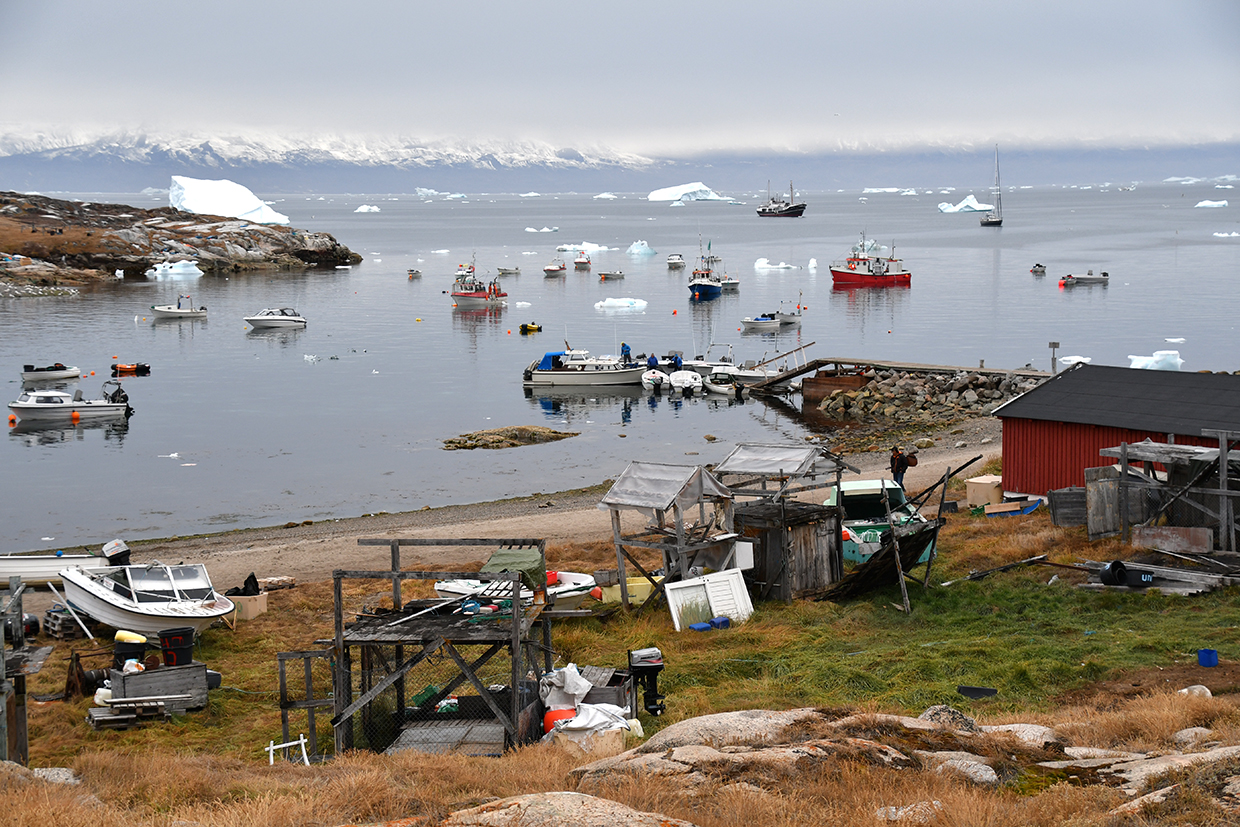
column 427, row 633
column 17, row 660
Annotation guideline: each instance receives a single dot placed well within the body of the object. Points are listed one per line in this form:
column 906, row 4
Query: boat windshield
column 870, row 506
column 152, row 585
column 192, row 581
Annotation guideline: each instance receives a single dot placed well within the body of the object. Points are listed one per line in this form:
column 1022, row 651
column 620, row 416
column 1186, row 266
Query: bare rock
column 949, row 717
column 748, row 726
column 1033, row 734
column 976, row 772
column 1138, row 804
column 556, row 809
column 923, row 812
column 1134, row 774
column 934, row 759
column 1193, row 735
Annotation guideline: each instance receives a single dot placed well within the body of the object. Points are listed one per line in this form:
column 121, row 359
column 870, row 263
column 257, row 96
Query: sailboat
column 994, row 218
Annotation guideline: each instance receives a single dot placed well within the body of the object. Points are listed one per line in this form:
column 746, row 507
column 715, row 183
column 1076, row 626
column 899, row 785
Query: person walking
column 899, row 464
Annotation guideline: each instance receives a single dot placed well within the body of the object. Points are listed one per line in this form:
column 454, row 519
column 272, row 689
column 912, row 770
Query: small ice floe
column 173, row 455
column 607, row 196
column 969, row 204
column 523, row 304
column 456, row 196
column 765, row 264
column 1178, row 340
column 47, row 539
column 373, row 372
column 813, row 264
column 367, row 208
column 621, row 305
column 584, row 247
column 543, row 230
column 1075, row 360
column 530, row 195
column 1161, row 360
column 677, row 204
column 344, row 266
column 311, row 358
column 640, row 248
column 1210, row 204
column 1224, row 187
column 529, row 252
column 1227, row 235
column 881, row 189
column 910, row 191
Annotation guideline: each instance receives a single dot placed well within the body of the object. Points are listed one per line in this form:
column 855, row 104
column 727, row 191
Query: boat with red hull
column 869, row 265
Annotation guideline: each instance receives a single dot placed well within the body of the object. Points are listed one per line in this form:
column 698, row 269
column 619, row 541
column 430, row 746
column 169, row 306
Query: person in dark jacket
column 899, row 464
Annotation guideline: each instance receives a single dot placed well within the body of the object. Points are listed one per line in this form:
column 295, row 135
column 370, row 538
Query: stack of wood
column 60, row 624
column 125, row 713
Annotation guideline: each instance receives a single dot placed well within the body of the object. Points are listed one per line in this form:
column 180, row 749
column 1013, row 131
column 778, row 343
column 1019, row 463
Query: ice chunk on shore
column 1210, row 204
column 697, row 191
column 609, row 196
column 640, row 248
column 221, row 197
column 367, row 208
column 620, row 305
column 1161, row 360
column 969, row 204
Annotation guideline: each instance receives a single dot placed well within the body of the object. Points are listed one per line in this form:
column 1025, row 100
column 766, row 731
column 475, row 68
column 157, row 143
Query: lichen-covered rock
column 949, row 717
column 556, row 809
column 510, row 437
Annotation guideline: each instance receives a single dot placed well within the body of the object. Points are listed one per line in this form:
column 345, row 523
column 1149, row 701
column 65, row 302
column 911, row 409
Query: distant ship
column 779, row 208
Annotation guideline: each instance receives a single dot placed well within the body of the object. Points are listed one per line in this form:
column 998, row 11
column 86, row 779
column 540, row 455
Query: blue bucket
column 1207, row 657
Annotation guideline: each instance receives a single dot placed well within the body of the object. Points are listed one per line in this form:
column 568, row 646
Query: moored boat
column 555, row 268
column 468, row 292
column 611, row 275
column 1038, row 269
column 675, row 262
column 147, row 598
column 414, row 273
column 994, row 218
column 183, row 309
column 131, row 369
column 779, row 208
column 868, row 265
column 723, row 381
column 762, row 323
column 656, row 380
column 582, row 261
column 276, row 317
column 508, row 271
column 529, row 327
column 58, row 406
column 578, row 367
column 686, row 382
column 1088, row 278
column 51, row 373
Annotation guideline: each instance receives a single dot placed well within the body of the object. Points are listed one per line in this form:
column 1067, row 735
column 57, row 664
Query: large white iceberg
column 697, row 191
column 1210, row 204
column 640, row 248
column 765, row 264
column 607, row 196
column 625, row 305
column 367, row 208
column 1161, row 360
column 969, row 204
column 220, row 198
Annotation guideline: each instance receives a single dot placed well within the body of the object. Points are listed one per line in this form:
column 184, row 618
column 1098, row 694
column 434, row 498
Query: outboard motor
column 116, row 553
column 646, row 664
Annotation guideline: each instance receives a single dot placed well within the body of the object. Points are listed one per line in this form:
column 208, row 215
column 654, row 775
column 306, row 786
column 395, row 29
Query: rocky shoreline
column 925, row 398
column 50, row 246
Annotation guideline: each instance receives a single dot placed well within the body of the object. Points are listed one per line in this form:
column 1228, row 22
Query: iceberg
column 1210, row 204
column 969, row 204
column 173, row 270
column 813, row 264
column 765, row 264
column 366, row 208
column 1232, row 234
column 1177, row 340
column 583, row 247
column 881, row 189
column 1074, row 360
column 620, row 305
column 543, row 230
column 697, row 191
column 609, row 196
column 640, row 248
column 530, row 195
column 523, row 304
column 220, row 198
column 1161, row 360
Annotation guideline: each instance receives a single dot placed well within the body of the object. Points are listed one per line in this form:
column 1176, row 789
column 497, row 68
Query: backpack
column 912, row 460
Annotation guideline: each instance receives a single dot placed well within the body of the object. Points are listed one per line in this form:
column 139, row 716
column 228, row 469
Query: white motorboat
column 58, row 406
column 508, row 271
column 686, row 382
column 148, row 598
column 578, row 367
column 183, row 309
column 1088, row 278
column 39, row 569
column 656, row 380
column 51, row 373
column 567, row 592
column 555, row 268
column 1038, row 269
column 582, row 261
column 723, row 381
column 276, row 317
column 764, row 323
column 675, row 262
column 611, row 275
column 414, row 273
column 729, row 283
column 790, row 316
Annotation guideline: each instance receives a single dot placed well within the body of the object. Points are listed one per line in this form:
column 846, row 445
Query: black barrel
column 177, row 645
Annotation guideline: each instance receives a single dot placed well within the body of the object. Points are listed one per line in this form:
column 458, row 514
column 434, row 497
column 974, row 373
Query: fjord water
column 237, row 428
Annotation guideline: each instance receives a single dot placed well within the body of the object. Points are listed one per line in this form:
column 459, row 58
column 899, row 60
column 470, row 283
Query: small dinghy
column 131, row 369
column 761, row 324
column 687, row 382
column 51, row 373
column 656, row 380
column 529, row 327
column 183, row 309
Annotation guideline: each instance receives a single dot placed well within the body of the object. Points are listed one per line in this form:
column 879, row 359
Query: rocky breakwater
column 51, row 242
column 925, row 398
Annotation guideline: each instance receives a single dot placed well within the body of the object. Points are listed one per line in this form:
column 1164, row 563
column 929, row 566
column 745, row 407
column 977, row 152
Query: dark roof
column 1161, row 401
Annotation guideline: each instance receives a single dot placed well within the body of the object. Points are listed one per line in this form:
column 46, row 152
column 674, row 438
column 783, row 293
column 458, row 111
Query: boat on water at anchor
column 762, row 323
column 555, row 268
column 869, row 265
column 675, row 262
column 778, row 207
column 276, row 317
column 183, row 309
column 994, row 218
column 58, row 406
column 578, row 367
column 1038, row 269
column 582, row 261
column 704, row 282
column 51, row 373
column 471, row 293
column 1088, row 278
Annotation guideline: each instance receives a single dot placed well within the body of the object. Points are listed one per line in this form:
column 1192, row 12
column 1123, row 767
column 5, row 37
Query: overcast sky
column 667, row 77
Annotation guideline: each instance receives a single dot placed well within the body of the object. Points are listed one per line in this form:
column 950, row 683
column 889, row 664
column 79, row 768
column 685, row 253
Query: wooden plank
column 1184, row 540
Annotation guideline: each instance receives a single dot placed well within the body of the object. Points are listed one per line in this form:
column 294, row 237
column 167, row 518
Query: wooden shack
column 797, row 544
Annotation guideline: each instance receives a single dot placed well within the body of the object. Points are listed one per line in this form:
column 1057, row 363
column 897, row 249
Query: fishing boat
column 789, row 316
column 686, row 382
column 763, row 323
column 183, row 309
column 276, row 317
column 508, row 271
column 994, row 218
column 1088, row 278
column 729, row 283
column 611, row 275
column 40, row 569
column 566, row 589
column 582, row 261
column 778, row 207
column 555, row 268
column 675, row 262
column 656, row 380
column 58, row 406
column 51, row 373
column 704, row 283
column 578, row 367
column 470, row 293
column 414, row 273
column 868, row 265
column 148, row 598
column 1038, row 269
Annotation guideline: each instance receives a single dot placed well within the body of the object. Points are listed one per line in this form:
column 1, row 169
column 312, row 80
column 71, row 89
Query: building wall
column 1039, row 455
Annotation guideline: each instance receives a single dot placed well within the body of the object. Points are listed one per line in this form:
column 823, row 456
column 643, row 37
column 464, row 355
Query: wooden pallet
column 61, row 625
column 271, row 584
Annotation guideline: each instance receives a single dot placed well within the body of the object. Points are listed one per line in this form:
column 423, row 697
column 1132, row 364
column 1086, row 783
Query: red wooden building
column 1054, row 432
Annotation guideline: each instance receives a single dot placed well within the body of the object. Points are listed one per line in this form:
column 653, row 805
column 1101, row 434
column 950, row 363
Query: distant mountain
column 131, row 162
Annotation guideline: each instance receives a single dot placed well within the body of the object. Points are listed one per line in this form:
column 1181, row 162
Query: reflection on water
column 47, row 433
column 871, row 305
column 274, row 336
column 622, row 401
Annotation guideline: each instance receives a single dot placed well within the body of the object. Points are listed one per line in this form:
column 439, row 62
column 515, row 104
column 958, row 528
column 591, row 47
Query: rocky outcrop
column 557, row 809
column 50, row 241
column 924, row 398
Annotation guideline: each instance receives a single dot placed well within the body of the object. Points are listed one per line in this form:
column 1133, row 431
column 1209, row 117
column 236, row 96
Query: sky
column 676, row 77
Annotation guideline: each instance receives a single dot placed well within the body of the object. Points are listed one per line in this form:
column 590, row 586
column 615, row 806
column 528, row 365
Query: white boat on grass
column 568, row 591
column 578, row 367
column 58, row 406
column 183, row 309
column 40, row 569
column 276, row 317
column 148, row 598
column 51, row 373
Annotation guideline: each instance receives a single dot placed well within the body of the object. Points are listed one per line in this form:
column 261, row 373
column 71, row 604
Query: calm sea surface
column 237, row 428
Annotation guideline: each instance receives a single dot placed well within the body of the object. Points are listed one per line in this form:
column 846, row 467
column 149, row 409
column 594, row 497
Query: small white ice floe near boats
column 656, row 380
column 566, row 588
column 276, row 317
column 183, row 309
column 148, row 598
column 51, row 373
column 58, row 406
column 686, row 382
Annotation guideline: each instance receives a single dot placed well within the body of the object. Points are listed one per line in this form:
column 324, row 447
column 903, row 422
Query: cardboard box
column 984, row 490
column 251, row 607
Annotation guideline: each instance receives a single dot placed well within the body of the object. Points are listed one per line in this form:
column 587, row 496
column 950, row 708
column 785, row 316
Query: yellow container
column 639, row 590
column 129, row 637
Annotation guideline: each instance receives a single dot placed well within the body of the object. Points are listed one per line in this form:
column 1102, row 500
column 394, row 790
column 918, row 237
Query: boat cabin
column 158, row 584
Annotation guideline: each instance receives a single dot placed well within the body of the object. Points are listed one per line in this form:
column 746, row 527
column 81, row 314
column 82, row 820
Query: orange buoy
column 596, row 593
column 554, row 715
column 75, row 416
column 92, row 373
column 12, row 419
column 673, row 312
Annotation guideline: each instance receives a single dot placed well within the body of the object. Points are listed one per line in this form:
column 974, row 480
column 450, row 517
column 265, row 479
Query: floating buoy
column 75, row 416
column 510, row 331
column 673, row 312
column 92, row 373
column 12, row 419
column 417, row 320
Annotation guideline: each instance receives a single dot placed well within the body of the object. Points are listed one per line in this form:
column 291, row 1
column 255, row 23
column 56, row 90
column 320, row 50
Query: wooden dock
column 851, row 365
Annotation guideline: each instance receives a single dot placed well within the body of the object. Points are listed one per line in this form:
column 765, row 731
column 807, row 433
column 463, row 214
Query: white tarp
column 769, row 460
column 654, row 485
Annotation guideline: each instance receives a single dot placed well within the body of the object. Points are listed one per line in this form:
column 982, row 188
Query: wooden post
column 895, row 542
column 1226, row 519
column 615, row 537
column 1123, row 492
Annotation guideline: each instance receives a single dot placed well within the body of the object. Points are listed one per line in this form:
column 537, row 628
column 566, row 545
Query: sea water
column 237, row 427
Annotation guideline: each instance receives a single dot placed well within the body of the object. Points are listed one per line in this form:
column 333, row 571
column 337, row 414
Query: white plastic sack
column 563, row 688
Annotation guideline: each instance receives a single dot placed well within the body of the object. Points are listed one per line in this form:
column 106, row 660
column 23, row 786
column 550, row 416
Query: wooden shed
column 1055, row 431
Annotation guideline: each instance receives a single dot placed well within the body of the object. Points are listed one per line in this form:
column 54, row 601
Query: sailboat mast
column 998, row 185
